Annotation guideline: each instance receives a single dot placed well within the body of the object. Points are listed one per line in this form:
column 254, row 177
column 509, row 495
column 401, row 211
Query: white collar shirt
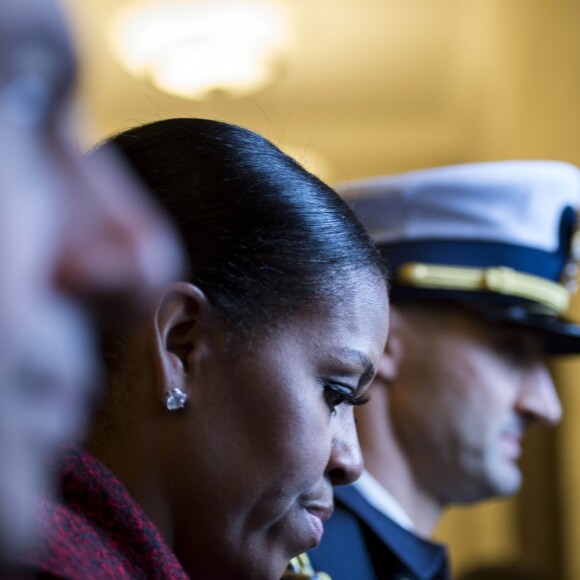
column 382, row 500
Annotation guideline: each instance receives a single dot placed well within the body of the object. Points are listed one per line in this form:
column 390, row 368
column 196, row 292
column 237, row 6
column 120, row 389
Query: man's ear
column 180, row 315
column 390, row 359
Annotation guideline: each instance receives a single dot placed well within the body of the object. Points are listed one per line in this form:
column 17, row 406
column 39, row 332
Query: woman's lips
column 318, row 515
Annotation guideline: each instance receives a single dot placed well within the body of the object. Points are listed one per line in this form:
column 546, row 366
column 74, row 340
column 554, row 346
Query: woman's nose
column 346, row 461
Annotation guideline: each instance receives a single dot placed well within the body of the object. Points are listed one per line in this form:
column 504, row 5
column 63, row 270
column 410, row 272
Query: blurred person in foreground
column 483, row 259
column 228, row 417
column 77, row 239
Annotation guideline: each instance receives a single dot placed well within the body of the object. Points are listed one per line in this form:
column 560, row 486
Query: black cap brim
column 560, row 336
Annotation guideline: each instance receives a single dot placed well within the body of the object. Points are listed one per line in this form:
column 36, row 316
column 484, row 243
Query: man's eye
column 336, row 394
column 25, row 100
column 514, row 352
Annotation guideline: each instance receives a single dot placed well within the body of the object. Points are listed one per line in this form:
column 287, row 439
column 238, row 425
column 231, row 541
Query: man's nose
column 538, row 398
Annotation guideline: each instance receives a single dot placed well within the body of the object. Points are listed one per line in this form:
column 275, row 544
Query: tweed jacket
column 96, row 530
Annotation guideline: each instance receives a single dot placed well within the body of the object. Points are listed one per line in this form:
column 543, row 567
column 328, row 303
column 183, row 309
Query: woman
column 229, row 416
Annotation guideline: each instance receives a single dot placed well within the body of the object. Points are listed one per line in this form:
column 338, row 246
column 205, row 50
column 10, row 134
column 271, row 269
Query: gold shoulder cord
column 300, row 568
column 500, row 280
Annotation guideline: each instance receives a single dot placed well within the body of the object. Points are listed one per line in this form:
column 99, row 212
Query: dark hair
column 263, row 236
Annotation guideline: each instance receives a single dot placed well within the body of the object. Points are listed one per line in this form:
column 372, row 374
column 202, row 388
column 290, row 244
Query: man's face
column 464, row 393
column 74, row 234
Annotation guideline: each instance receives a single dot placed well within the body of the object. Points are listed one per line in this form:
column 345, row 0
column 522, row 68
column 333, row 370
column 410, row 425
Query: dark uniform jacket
column 361, row 543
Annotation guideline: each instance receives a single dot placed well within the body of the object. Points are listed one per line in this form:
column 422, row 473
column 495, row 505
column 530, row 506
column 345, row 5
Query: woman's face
column 268, row 432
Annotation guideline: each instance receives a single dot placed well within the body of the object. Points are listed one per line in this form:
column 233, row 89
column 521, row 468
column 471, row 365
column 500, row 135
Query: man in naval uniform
column 483, row 260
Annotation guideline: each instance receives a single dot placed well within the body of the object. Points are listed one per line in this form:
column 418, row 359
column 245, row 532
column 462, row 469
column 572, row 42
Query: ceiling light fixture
column 202, row 49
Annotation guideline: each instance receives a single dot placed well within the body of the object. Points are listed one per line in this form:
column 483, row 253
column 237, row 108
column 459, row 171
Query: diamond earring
column 175, row 399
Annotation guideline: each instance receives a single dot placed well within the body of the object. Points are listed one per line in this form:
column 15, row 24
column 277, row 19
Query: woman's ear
column 392, row 355
column 180, row 314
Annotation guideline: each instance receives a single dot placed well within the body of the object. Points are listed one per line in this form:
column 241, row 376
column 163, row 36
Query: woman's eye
column 336, row 394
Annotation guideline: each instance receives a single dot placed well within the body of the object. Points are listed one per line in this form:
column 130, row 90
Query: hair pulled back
column 263, row 237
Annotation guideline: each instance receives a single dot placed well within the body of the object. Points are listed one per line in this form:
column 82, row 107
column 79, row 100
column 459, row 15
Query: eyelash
column 336, row 394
